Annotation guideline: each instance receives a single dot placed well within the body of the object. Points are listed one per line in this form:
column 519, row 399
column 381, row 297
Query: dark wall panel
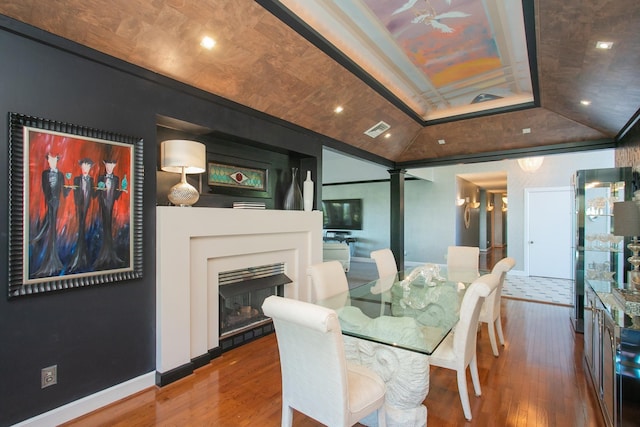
column 101, row 335
column 98, row 336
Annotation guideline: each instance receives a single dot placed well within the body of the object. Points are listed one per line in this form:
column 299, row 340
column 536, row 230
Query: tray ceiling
column 442, row 58
column 418, row 77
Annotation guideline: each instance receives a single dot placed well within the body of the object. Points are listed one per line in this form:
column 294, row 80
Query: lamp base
column 633, row 280
column 183, row 194
column 633, row 276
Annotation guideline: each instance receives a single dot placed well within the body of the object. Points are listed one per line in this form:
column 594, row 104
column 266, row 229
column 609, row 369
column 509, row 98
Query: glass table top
column 415, row 309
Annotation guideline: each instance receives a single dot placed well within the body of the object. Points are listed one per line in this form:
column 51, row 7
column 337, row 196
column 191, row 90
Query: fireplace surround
column 194, row 245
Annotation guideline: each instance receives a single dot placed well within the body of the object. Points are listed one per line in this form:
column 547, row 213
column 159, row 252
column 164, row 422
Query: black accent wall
column 103, row 335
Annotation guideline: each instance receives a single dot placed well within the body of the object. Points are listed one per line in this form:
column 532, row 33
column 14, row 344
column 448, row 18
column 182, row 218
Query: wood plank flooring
column 538, row 380
column 490, row 257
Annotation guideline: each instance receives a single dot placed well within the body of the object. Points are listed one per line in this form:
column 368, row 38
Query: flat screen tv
column 342, row 214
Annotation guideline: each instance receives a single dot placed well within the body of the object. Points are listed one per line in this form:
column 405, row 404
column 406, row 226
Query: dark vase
column 293, row 196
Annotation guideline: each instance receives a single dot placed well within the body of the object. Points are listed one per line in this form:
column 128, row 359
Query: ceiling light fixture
column 604, row 45
column 530, row 164
column 338, row 109
column 207, row 42
column 441, row 141
column 388, row 135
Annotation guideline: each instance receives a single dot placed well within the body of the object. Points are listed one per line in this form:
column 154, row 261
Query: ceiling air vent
column 378, row 129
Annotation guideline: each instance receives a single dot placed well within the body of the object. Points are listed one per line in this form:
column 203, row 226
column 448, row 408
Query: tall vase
column 293, row 196
column 307, row 192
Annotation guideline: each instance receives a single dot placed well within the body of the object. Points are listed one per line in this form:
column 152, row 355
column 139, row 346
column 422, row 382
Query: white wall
column 430, row 205
column 556, row 171
column 375, row 214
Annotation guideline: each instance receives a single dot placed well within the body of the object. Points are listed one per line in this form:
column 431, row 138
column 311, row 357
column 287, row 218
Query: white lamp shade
column 530, row 164
column 626, row 219
column 176, row 154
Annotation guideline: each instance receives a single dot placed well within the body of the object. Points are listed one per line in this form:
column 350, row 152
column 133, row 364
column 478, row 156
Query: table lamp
column 626, row 222
column 183, row 157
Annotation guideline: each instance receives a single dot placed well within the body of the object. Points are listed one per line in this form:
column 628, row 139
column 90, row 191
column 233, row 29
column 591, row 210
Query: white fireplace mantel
column 195, row 244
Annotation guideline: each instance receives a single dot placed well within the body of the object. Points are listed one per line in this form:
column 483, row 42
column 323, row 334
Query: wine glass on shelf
column 608, row 275
column 603, row 241
column 590, row 238
column 615, row 243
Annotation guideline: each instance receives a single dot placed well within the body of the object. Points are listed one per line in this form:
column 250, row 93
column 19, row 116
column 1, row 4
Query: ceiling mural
column 441, row 57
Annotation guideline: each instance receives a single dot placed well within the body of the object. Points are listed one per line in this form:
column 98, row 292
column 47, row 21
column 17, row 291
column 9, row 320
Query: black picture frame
column 75, row 206
column 245, row 167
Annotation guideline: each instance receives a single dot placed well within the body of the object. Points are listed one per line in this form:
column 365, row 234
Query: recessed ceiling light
column 207, row 42
column 526, row 130
column 441, row 141
column 339, row 109
column 604, row 45
column 585, row 102
column 388, row 135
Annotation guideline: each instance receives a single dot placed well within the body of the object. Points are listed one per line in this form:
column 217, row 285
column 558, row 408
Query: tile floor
column 539, row 289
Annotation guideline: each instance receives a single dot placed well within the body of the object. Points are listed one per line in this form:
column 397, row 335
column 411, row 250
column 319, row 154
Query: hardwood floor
column 489, row 258
column 538, row 380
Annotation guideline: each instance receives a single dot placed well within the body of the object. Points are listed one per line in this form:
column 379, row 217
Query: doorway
column 492, row 189
column 548, row 237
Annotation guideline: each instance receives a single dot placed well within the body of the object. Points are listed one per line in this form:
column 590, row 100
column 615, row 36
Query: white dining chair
column 458, row 350
column 385, row 262
column 387, row 270
column 329, row 281
column 490, row 312
column 463, row 257
column 463, row 263
column 317, row 380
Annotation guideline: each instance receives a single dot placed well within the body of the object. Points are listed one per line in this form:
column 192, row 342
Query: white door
column 549, row 240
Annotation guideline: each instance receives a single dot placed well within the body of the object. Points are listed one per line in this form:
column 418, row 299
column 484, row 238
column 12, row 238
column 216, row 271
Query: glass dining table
column 394, row 323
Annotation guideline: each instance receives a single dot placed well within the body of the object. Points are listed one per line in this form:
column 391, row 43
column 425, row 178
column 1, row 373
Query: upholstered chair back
column 328, row 280
column 465, row 334
column 385, row 262
column 463, row 257
column 316, row 379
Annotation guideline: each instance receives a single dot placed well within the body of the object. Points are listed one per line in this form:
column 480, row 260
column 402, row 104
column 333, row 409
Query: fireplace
column 194, row 246
column 241, row 294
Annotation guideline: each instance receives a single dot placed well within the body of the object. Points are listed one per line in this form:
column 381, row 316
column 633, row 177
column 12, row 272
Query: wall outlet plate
column 49, row 376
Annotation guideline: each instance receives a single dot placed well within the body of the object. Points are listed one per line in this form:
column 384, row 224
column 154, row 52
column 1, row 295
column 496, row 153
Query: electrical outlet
column 49, row 376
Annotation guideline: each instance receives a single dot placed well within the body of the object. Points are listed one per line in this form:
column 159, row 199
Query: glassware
column 293, row 196
column 615, row 242
column 603, row 241
column 608, row 275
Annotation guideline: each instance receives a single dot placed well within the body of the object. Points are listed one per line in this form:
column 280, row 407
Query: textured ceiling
column 262, row 63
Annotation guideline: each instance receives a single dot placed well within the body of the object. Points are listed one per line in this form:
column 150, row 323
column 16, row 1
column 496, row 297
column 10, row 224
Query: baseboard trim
column 164, row 378
column 90, row 403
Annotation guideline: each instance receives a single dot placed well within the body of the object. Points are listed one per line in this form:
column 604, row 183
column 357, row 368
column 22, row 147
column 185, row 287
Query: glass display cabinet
column 600, row 255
